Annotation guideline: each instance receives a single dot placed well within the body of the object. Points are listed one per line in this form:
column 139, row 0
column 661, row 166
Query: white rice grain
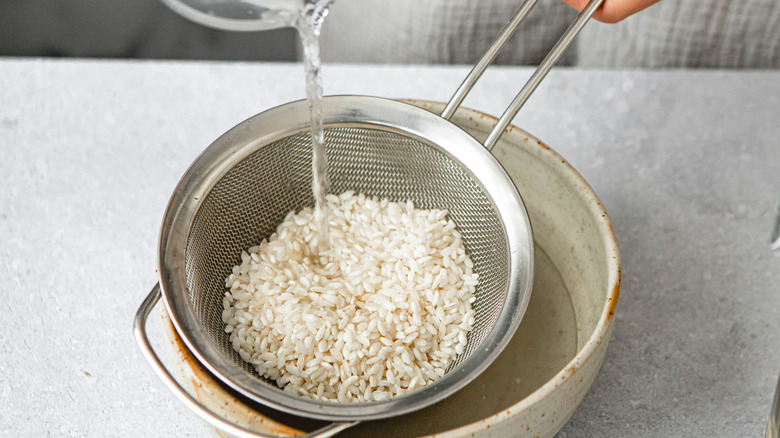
column 385, row 309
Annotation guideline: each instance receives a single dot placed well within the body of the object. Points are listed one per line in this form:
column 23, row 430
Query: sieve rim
column 389, row 115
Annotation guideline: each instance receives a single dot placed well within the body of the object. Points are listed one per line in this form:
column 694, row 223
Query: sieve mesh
column 255, row 195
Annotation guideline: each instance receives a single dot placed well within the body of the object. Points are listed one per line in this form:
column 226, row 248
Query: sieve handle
column 139, row 329
column 535, row 79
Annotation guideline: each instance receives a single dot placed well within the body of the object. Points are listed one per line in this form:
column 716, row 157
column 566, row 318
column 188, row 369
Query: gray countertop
column 687, row 164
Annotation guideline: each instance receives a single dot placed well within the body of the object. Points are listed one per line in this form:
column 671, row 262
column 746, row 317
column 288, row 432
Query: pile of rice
column 384, row 310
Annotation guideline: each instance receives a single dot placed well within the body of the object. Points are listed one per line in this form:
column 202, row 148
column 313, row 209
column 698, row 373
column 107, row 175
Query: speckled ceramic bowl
column 541, row 377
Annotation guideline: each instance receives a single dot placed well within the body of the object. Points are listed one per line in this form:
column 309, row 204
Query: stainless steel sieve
column 243, row 185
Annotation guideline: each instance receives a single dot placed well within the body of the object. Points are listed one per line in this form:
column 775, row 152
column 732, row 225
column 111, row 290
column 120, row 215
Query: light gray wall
column 127, row 29
column 673, row 33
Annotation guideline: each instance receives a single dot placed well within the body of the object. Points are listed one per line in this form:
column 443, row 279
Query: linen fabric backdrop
column 670, row 34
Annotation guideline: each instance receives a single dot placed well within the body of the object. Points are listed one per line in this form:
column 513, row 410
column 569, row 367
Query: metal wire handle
column 773, row 427
column 139, row 329
column 535, row 79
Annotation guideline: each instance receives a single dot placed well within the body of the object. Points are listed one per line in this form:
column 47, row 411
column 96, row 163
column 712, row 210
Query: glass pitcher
column 247, row 15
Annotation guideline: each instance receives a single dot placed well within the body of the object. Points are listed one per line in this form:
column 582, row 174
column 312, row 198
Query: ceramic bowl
column 536, row 384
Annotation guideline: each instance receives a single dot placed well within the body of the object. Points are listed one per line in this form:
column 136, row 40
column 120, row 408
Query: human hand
column 612, row 11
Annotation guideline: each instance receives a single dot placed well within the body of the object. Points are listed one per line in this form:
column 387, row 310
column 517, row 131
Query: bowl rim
column 609, row 241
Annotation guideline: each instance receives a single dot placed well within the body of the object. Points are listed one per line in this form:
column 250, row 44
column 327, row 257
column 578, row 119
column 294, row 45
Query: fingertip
column 609, row 17
column 613, row 11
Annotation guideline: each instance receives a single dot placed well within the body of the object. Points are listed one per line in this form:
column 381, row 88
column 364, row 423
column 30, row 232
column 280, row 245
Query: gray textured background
column 685, row 162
